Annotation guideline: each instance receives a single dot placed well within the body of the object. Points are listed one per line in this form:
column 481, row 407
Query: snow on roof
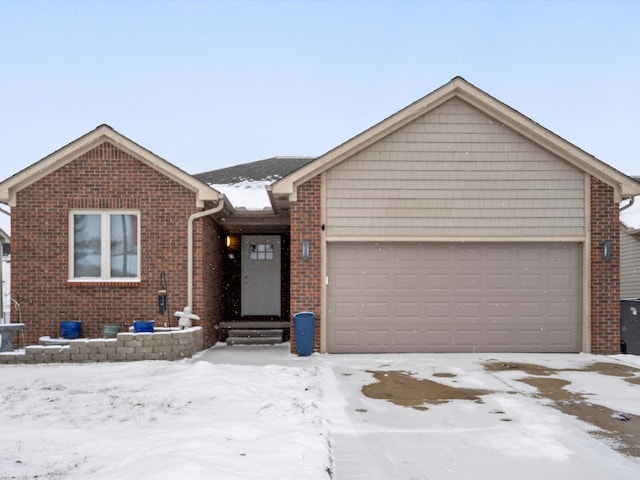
column 631, row 216
column 244, row 185
column 5, row 220
column 247, row 194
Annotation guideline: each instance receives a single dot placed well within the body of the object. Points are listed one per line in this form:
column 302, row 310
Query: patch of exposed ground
column 604, row 368
column 444, row 375
column 402, row 388
column 623, row 435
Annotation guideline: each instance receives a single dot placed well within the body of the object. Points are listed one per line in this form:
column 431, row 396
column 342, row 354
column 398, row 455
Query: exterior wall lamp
column 305, row 250
column 606, row 250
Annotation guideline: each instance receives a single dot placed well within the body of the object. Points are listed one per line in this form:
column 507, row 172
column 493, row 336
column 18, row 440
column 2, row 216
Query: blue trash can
column 304, row 326
column 143, row 326
column 70, row 329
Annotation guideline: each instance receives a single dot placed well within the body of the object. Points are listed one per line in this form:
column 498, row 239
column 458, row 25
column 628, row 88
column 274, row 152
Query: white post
column 2, row 319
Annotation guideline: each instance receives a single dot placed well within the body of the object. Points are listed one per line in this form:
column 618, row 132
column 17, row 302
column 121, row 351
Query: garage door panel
column 376, row 281
column 529, row 339
column 500, row 311
column 468, row 338
column 454, row 297
column 408, row 338
column 345, row 338
column 375, row 311
column 467, row 281
column 499, row 254
column 557, row 310
column 531, row 282
column 440, row 339
column 378, row 338
column 407, row 282
column 435, row 281
column 408, row 311
column 499, row 338
column 560, row 282
column 560, row 337
column 344, row 282
column 499, row 281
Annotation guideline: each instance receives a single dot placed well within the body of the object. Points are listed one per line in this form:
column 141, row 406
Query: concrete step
column 262, row 324
column 253, row 333
column 254, row 340
column 251, row 336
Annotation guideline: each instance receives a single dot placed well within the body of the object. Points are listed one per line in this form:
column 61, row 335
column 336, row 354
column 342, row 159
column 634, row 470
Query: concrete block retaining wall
column 126, row 347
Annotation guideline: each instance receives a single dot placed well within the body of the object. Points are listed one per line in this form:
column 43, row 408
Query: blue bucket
column 70, row 329
column 140, row 326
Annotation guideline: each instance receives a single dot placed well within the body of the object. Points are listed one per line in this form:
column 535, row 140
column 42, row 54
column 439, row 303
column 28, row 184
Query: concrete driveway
column 499, row 417
column 463, row 416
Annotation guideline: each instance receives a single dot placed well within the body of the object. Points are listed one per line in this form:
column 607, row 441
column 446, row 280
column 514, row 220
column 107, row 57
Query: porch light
column 228, row 241
column 606, row 250
column 305, row 250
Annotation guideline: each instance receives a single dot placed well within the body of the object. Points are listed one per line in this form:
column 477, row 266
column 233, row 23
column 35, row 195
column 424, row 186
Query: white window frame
column 105, row 250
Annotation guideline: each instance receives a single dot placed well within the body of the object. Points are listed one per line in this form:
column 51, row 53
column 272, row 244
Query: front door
column 261, row 275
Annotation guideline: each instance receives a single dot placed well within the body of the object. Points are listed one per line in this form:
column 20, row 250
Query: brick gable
column 102, row 178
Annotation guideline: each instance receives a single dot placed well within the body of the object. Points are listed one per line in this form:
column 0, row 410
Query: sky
column 209, row 84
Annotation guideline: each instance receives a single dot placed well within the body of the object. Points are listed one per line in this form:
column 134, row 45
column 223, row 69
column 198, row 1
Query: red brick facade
column 306, row 225
column 107, row 178
column 605, row 274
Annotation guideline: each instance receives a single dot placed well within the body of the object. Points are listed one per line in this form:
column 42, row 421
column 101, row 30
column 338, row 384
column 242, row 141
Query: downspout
column 2, row 280
column 194, row 216
column 631, row 200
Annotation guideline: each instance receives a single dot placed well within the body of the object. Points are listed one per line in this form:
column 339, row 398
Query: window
column 261, row 251
column 104, row 245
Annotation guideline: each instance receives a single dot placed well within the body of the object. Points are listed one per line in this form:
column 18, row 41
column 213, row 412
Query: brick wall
column 605, row 275
column 208, row 275
column 306, row 274
column 103, row 178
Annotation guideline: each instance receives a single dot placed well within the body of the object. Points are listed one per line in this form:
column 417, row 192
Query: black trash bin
column 304, row 326
column 630, row 325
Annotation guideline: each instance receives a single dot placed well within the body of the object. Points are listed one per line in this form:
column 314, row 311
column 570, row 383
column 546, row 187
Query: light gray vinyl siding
column 629, row 266
column 454, row 172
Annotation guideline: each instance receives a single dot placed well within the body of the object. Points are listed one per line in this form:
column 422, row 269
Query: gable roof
column 623, row 185
column 103, row 133
column 245, row 185
column 268, row 171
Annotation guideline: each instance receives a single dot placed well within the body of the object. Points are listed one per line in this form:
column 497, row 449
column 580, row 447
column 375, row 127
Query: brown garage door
column 394, row 297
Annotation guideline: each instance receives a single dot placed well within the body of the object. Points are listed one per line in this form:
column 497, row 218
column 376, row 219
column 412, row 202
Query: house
column 455, row 225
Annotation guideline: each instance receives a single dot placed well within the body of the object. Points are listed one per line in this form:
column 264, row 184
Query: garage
column 453, row 297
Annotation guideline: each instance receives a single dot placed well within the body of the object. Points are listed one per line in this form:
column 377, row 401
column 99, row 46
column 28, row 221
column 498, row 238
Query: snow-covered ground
column 260, row 412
